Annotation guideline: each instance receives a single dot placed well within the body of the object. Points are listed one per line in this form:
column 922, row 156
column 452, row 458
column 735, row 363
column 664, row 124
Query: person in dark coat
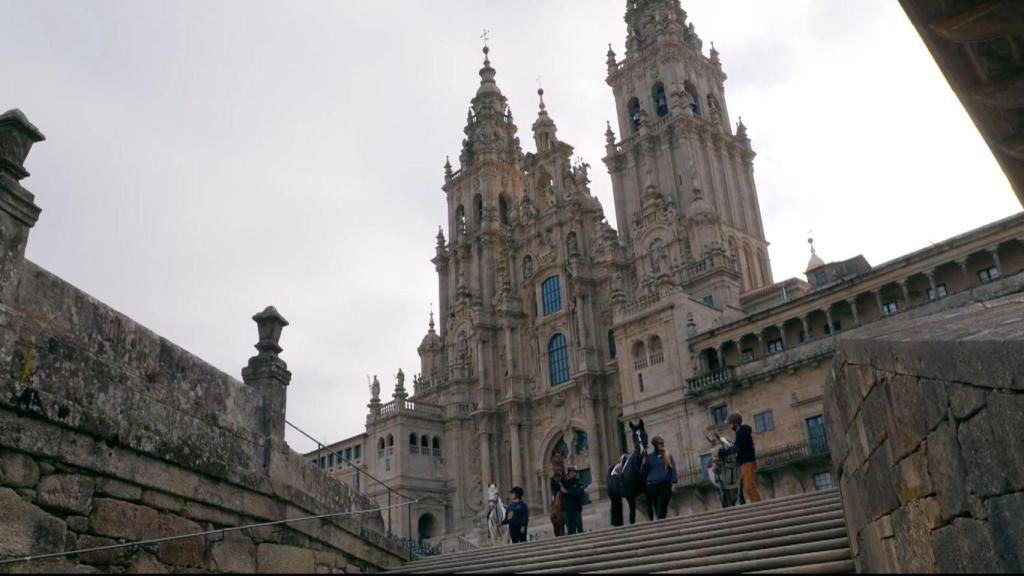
column 746, row 457
column 517, row 516
column 573, row 493
column 660, row 470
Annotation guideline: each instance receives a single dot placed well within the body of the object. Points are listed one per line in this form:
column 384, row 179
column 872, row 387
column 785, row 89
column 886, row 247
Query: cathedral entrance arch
column 567, row 447
column 427, row 526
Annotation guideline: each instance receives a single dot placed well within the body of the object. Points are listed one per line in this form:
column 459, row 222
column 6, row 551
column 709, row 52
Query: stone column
column 18, row 211
column 828, row 318
column 721, row 354
column 591, row 396
column 931, row 283
column 995, row 258
column 485, row 457
column 878, row 299
column 782, row 336
column 906, row 293
column 517, row 456
column 269, row 375
column 963, row 269
column 853, row 308
column 807, row 329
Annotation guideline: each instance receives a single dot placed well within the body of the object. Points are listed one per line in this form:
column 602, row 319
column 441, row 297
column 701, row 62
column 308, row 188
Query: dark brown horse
column 628, row 481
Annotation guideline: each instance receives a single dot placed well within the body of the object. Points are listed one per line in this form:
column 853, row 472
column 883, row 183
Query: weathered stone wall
column 926, row 422
column 111, row 434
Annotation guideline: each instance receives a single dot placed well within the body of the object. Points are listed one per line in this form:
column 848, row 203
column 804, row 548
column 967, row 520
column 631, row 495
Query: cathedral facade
column 555, row 329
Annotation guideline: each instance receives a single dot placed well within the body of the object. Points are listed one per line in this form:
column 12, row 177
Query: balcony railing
column 642, row 303
column 713, row 380
column 410, row 406
column 787, row 454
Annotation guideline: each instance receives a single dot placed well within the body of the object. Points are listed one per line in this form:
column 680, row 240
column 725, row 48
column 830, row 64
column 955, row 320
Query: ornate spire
column 815, row 261
column 487, row 73
column 610, row 61
column 714, row 56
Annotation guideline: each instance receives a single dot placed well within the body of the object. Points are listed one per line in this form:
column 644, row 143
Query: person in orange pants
column 746, row 457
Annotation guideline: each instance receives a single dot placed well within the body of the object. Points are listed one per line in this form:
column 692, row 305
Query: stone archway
column 427, row 526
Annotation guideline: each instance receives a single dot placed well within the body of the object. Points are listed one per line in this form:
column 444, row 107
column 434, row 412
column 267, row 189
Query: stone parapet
column 924, row 417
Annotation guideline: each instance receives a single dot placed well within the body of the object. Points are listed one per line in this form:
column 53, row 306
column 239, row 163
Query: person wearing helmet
column 746, row 458
column 572, row 500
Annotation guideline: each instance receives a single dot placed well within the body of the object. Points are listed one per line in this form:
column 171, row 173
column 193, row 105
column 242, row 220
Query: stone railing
column 713, row 380
column 657, row 358
column 410, row 406
column 782, row 456
column 642, row 303
column 816, row 350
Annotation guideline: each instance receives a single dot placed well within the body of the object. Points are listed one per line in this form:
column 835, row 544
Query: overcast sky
column 207, row 158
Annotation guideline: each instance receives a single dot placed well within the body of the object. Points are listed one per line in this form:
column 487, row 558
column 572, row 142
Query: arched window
column 503, row 210
column 693, row 98
column 639, row 356
column 391, row 440
column 633, row 109
column 380, row 448
column 437, row 446
column 425, row 443
column 660, row 100
column 611, row 344
column 478, row 209
column 558, row 360
column 657, row 355
column 460, row 220
column 414, row 447
column 551, row 290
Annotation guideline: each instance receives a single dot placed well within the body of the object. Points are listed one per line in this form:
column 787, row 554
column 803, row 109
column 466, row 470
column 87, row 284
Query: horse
column 557, row 521
column 724, row 473
column 496, row 513
column 626, row 479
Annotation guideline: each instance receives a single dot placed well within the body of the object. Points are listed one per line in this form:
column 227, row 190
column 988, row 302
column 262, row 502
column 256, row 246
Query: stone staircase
column 797, row 534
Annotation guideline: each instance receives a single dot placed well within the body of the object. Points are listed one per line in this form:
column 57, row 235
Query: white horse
column 496, row 512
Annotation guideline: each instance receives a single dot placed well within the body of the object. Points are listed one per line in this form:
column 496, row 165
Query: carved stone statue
column 375, row 389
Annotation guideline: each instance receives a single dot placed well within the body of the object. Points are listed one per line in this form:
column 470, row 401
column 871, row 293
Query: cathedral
column 556, row 329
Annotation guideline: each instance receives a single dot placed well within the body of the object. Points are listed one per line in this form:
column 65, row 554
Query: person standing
column 517, row 516
column 660, row 471
column 746, row 457
column 572, row 492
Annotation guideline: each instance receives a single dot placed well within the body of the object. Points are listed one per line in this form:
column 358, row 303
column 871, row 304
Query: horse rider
column 517, row 516
column 572, row 491
column 746, row 457
column 660, row 471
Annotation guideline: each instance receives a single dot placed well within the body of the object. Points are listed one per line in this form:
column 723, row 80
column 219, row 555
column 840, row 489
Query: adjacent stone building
column 555, row 329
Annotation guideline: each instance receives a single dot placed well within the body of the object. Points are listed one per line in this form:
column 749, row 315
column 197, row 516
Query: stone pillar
column 485, row 458
column 807, row 329
column 269, row 375
column 782, row 336
column 906, row 293
column 828, row 318
column 18, row 211
column 963, row 269
column 591, row 395
column 995, row 258
column 517, row 456
column 853, row 308
column 721, row 354
column 931, row 283
column 878, row 299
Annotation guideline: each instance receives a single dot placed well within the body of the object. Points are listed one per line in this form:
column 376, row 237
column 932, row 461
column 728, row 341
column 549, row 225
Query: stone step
column 782, row 556
column 845, row 566
column 723, row 523
column 783, row 564
column 797, row 522
column 707, row 551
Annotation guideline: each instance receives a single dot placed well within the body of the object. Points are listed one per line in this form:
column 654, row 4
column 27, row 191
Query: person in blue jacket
column 517, row 516
column 660, row 470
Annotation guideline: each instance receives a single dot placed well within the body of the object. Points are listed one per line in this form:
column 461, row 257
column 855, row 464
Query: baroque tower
column 683, row 182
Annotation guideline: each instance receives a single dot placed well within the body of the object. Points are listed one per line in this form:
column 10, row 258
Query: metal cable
column 195, row 535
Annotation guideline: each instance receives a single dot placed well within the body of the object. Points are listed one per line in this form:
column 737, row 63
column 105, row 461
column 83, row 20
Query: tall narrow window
column 633, row 109
column 551, row 291
column 558, row 360
column 478, row 209
column 358, row 452
column 660, row 101
column 764, row 422
column 611, row 344
column 503, row 209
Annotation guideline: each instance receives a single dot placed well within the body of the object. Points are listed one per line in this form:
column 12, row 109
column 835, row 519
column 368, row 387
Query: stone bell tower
column 678, row 147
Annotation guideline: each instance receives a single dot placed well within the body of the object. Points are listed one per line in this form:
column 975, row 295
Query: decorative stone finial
column 400, row 393
column 17, row 135
column 540, row 92
column 714, row 56
column 270, row 324
column 447, row 169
